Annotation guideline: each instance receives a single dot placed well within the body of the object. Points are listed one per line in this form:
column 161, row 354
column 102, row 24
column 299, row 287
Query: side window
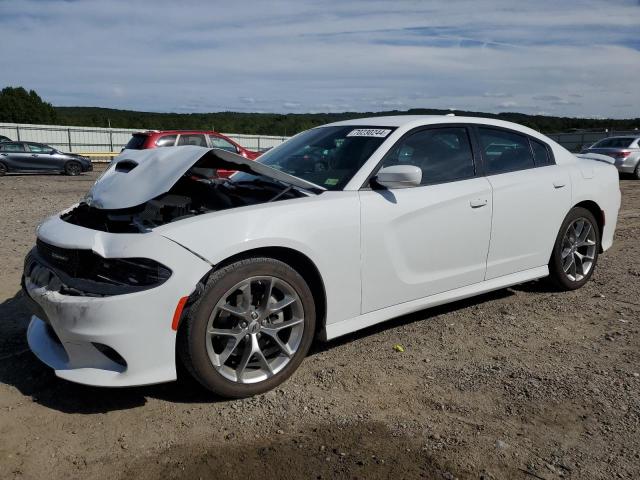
column 166, row 141
column 504, row 151
column 192, row 139
column 39, row 148
column 217, row 142
column 12, row 147
column 443, row 154
column 540, row 153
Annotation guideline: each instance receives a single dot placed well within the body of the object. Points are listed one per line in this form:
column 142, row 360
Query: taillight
column 621, row 154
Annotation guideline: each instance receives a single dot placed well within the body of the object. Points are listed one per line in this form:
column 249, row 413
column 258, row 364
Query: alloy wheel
column 578, row 249
column 73, row 169
column 255, row 329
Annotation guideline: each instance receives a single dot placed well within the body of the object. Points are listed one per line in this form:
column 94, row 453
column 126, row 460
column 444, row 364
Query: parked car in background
column 624, row 150
column 339, row 228
column 34, row 157
column 4, row 139
column 199, row 138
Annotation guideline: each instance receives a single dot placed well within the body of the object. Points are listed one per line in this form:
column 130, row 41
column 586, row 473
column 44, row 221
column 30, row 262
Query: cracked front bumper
column 77, row 335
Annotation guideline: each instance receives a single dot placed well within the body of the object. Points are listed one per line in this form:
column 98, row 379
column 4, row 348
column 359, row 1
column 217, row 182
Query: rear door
column 428, row 239
column 531, row 196
column 16, row 157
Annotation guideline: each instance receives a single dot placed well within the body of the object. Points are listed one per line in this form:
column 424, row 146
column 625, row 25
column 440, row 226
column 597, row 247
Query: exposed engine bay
column 198, row 191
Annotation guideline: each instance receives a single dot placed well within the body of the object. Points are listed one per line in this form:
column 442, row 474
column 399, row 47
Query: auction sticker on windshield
column 369, row 132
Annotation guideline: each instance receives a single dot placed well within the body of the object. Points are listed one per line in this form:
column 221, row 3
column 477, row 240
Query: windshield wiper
column 276, row 181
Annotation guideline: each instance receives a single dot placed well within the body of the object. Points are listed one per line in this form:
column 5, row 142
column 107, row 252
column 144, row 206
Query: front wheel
column 3, row 169
column 576, row 250
column 250, row 329
column 73, row 168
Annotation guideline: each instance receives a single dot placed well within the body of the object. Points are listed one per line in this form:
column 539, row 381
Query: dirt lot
column 522, row 383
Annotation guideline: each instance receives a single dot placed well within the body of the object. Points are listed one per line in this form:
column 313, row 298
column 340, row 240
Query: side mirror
column 53, row 151
column 399, row 176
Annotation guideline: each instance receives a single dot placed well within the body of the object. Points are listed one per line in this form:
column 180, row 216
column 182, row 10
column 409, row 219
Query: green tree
column 19, row 106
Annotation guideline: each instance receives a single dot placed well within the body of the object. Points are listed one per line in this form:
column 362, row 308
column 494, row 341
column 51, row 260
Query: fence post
column 110, row 141
column 258, row 143
column 17, row 133
column 69, row 137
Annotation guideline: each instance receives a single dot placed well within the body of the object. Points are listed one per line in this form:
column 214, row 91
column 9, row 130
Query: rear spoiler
column 597, row 157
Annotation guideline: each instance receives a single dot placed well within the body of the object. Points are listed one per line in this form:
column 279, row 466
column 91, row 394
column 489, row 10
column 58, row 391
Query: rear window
column 136, row 142
column 12, row 147
column 622, row 142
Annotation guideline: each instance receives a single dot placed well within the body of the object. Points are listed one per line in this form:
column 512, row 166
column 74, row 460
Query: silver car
column 624, row 150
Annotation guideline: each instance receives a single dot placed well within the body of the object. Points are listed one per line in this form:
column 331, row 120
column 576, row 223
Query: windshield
column 325, row 156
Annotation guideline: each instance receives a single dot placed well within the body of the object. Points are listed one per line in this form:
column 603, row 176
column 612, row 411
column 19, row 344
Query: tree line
column 19, row 106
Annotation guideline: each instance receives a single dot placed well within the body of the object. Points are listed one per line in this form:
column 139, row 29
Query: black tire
column 72, row 168
column 192, row 337
column 561, row 279
column 636, row 172
column 3, row 169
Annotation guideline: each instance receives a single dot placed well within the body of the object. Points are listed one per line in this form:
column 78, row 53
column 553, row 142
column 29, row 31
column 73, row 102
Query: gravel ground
column 522, row 383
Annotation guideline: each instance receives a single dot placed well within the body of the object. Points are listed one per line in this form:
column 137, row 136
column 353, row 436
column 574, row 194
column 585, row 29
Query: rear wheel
column 575, row 253
column 250, row 329
column 3, row 169
column 636, row 172
column 73, row 168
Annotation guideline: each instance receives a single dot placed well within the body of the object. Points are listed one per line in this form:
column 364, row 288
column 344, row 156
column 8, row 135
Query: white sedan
column 339, row 228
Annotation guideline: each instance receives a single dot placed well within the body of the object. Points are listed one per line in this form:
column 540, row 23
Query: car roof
column 632, row 137
column 411, row 121
column 176, row 132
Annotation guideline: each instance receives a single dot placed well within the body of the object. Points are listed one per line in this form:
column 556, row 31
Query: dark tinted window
column 217, row 142
column 12, row 147
column 166, row 141
column 504, row 151
column 35, row 148
column 4, row 139
column 540, row 153
column 620, row 142
column 136, row 142
column 192, row 139
column 443, row 154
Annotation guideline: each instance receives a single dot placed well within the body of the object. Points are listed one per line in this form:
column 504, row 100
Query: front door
column 429, row 239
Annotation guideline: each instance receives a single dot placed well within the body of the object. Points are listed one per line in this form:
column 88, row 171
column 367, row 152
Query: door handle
column 34, row 155
column 478, row 202
column 559, row 184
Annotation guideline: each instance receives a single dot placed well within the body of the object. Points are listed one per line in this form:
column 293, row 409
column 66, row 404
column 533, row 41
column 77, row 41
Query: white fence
column 97, row 140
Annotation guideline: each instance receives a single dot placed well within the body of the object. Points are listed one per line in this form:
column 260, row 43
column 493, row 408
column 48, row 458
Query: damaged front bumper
column 114, row 339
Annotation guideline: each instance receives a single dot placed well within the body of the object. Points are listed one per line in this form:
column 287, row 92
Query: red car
column 202, row 138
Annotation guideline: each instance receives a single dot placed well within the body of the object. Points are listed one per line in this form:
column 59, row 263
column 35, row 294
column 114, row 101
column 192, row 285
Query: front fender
column 325, row 228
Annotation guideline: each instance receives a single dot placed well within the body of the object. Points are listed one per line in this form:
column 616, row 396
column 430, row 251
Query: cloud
column 360, row 55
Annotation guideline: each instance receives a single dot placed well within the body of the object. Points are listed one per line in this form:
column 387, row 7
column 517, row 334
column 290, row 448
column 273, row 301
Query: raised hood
column 137, row 176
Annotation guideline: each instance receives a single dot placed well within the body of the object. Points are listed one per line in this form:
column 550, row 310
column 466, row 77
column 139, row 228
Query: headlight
column 84, row 272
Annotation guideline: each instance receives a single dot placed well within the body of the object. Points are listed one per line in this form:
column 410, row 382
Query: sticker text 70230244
column 369, row 132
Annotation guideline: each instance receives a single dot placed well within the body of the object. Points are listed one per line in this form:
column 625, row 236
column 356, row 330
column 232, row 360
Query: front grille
column 71, row 261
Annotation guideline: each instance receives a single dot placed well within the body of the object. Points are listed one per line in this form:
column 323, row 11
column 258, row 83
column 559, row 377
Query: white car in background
column 339, row 228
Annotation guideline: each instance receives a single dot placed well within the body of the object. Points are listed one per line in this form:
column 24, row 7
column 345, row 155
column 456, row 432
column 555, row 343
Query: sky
column 560, row 57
